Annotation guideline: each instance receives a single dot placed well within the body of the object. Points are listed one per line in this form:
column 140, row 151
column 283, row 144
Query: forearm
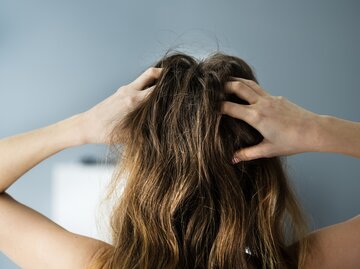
column 20, row 153
column 339, row 136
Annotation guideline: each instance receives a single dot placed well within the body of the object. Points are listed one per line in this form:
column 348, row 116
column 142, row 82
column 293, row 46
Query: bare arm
column 20, row 153
column 28, row 238
column 33, row 241
column 290, row 129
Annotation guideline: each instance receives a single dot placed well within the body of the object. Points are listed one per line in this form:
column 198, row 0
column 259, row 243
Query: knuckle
column 135, row 99
column 224, row 107
column 267, row 103
column 131, row 100
column 232, row 85
column 127, row 101
column 151, row 71
column 251, row 82
column 231, row 108
column 121, row 89
column 237, row 84
column 256, row 116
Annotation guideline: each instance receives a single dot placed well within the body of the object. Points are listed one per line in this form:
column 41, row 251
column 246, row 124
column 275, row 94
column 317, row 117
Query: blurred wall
column 58, row 58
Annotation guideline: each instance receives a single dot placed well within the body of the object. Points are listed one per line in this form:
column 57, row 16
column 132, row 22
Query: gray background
column 58, row 58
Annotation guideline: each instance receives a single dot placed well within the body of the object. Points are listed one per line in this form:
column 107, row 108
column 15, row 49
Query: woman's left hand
column 98, row 121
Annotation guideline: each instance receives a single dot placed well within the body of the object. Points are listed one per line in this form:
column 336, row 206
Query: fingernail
column 235, row 160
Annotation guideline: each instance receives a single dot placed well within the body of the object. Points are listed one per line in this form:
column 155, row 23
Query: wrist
column 313, row 131
column 324, row 141
column 72, row 131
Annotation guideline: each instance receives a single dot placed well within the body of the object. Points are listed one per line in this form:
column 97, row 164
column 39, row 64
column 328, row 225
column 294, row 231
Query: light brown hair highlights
column 185, row 205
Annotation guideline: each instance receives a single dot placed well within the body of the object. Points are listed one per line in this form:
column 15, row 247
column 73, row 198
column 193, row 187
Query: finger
column 262, row 150
column 253, row 85
column 146, row 79
column 146, row 92
column 242, row 90
column 241, row 112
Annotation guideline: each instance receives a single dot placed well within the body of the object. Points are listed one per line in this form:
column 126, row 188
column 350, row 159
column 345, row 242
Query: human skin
column 33, row 241
column 28, row 238
column 287, row 128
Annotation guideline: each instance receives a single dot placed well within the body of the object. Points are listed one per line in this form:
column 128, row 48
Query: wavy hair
column 185, row 205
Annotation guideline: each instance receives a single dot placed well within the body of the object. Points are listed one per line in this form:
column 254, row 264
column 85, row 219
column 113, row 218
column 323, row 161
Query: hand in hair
column 100, row 119
column 287, row 128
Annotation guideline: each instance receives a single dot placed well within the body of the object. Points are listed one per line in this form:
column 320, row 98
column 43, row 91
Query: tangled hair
column 185, row 205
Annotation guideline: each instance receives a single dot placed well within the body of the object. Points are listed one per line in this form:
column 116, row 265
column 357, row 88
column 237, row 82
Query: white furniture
column 77, row 190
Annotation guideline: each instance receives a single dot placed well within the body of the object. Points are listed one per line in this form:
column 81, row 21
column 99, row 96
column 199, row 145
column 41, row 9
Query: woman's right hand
column 287, row 128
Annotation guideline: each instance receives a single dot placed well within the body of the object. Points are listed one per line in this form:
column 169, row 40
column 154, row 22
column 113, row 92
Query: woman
column 189, row 201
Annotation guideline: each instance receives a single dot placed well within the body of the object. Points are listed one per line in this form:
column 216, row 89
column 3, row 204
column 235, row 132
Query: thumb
column 260, row 150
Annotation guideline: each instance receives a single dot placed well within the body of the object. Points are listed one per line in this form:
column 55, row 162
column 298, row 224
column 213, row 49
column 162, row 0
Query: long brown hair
column 185, row 205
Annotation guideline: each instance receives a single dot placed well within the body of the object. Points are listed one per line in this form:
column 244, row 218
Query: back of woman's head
column 185, row 205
